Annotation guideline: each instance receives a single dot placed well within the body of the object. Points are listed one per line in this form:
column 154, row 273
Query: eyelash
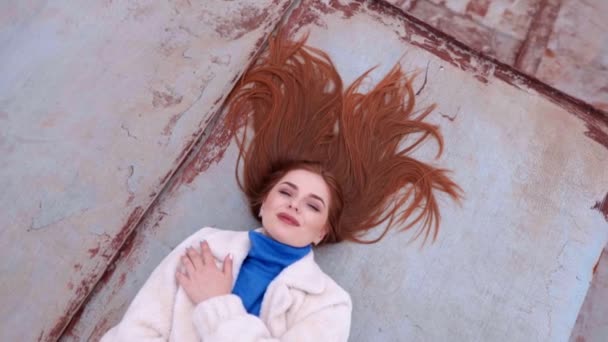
column 283, row 192
column 313, row 207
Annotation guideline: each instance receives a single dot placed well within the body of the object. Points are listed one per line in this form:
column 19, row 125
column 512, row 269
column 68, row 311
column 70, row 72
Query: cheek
column 273, row 201
column 317, row 222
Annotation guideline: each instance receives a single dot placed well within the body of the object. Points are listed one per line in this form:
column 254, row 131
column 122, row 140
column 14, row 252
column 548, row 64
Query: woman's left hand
column 202, row 279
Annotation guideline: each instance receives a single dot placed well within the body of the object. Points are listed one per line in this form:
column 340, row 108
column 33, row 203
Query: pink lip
column 288, row 219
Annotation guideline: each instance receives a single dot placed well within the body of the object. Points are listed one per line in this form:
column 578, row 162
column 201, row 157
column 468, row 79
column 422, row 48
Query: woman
column 323, row 165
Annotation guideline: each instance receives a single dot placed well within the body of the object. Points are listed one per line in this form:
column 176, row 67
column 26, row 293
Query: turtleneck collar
column 265, row 248
column 266, row 259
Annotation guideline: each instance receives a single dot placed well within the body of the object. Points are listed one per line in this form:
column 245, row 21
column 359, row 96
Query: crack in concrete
column 33, row 226
column 124, row 128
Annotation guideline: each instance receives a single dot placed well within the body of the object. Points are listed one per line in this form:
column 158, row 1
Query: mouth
column 290, row 220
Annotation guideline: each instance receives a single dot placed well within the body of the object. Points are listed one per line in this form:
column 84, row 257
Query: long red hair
column 292, row 112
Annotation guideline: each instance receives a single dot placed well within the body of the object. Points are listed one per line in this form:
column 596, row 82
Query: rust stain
column 211, row 151
column 93, row 252
column 478, row 7
column 247, row 19
column 121, row 240
column 165, row 177
column 99, row 329
column 347, row 10
column 81, row 292
column 312, row 11
column 86, row 285
column 602, row 207
column 601, row 105
column 171, row 124
column 130, row 199
column 595, row 132
column 165, row 99
column 533, row 47
column 126, row 239
column 467, row 59
column 217, row 101
column 121, row 279
column 595, row 267
column 481, row 78
column 168, row 129
column 186, row 150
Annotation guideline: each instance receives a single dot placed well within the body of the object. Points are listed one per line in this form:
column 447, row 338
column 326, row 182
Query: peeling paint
column 211, row 151
column 89, row 281
column 93, row 251
column 312, row 13
column 165, row 99
column 168, row 129
column 237, row 23
column 477, row 7
column 533, row 47
column 454, row 52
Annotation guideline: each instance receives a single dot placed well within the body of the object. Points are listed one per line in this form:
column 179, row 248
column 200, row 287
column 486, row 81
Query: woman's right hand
column 201, row 278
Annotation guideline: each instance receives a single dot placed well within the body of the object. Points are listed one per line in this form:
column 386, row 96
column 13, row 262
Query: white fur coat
column 301, row 304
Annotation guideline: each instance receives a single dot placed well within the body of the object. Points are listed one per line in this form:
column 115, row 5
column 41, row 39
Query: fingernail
column 230, row 256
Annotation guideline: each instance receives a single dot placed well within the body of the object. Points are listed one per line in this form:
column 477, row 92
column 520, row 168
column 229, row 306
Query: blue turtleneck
column 266, row 259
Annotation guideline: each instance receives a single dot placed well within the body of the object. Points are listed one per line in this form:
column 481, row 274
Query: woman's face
column 296, row 209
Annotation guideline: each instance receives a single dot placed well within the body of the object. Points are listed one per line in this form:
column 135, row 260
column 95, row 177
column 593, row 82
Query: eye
column 283, row 192
column 313, row 207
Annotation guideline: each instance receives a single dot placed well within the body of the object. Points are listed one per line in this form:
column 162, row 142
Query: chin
column 276, row 231
column 280, row 232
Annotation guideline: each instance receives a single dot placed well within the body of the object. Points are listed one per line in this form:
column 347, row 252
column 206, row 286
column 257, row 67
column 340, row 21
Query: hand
column 202, row 279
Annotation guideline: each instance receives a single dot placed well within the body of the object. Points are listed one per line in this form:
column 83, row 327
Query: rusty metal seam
column 166, row 181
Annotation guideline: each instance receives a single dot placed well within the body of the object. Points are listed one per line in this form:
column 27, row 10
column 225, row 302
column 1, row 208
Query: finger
column 188, row 265
column 228, row 265
column 181, row 277
column 207, row 256
column 194, row 257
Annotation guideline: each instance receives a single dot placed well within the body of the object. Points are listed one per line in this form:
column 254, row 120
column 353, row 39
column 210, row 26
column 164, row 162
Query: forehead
column 307, row 182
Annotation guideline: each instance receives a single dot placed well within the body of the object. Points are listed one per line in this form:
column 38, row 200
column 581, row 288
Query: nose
column 293, row 206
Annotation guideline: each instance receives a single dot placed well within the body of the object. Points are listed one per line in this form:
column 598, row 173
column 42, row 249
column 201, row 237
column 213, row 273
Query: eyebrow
column 311, row 195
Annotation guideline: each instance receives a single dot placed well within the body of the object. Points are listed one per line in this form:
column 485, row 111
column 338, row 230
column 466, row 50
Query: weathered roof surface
column 99, row 103
column 114, row 154
column 563, row 43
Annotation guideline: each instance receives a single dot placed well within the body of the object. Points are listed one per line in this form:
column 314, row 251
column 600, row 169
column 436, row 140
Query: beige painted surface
column 512, row 264
column 99, row 102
